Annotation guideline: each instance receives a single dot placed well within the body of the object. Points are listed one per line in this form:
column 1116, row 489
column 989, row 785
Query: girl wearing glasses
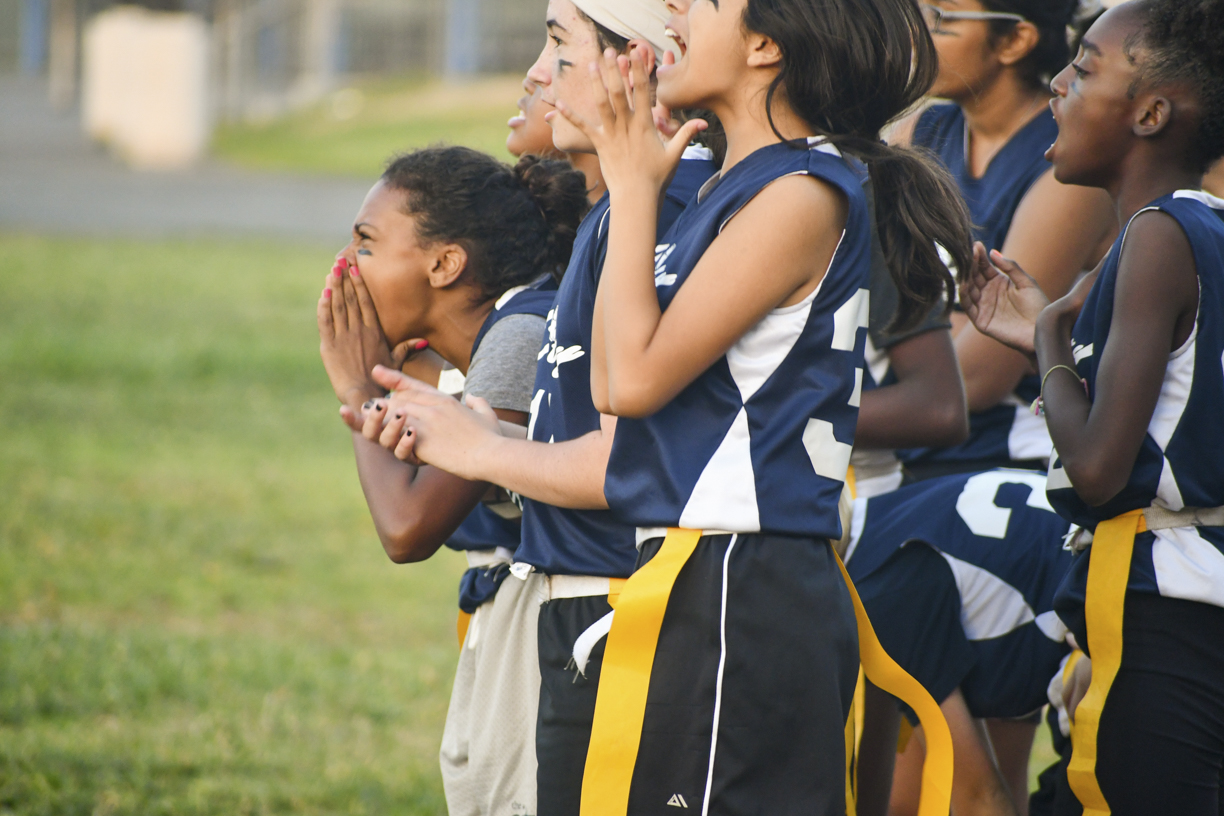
column 996, row 58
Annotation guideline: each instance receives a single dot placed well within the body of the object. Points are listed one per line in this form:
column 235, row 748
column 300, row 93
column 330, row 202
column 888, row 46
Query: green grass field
column 354, row 131
column 195, row 614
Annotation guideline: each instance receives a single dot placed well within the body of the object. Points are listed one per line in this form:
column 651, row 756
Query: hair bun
column 560, row 193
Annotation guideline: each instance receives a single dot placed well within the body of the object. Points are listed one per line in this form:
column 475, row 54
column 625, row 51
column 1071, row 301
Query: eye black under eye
column 364, row 252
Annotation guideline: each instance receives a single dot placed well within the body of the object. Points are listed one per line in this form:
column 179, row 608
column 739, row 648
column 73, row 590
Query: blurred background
column 195, row 613
column 196, row 616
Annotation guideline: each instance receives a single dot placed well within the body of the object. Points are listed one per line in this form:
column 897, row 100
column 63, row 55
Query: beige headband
column 633, row 20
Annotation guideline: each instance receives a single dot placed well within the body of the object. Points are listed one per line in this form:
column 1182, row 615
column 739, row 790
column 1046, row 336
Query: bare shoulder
column 1061, row 229
column 794, row 204
column 1157, row 272
column 1155, row 244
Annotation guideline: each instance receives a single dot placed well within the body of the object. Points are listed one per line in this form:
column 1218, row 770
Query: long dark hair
column 849, row 67
column 516, row 223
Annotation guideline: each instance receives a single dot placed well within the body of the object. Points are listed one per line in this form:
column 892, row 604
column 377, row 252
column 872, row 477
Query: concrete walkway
column 53, row 180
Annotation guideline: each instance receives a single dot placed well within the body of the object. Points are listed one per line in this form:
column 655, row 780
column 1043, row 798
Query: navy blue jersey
column 555, row 540
column 760, row 441
column 1004, row 544
column 1008, row 431
column 993, row 198
column 483, row 529
column 1180, row 463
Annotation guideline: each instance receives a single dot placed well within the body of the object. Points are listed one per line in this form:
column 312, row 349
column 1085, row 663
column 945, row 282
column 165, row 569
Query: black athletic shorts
column 771, row 659
column 567, row 702
column 752, row 682
column 1160, row 745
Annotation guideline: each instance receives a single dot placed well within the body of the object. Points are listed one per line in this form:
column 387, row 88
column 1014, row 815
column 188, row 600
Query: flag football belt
column 479, row 559
column 586, row 586
column 1113, row 544
column 625, row 681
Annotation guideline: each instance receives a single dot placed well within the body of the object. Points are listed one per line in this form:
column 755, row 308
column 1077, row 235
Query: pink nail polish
column 343, row 263
column 421, row 344
column 353, row 270
column 327, row 292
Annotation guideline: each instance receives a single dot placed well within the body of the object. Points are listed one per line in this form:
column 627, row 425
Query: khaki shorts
column 488, row 753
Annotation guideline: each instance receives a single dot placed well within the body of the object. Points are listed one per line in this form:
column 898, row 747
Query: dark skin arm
column 925, row 407
column 415, row 509
column 1155, row 304
column 1058, row 232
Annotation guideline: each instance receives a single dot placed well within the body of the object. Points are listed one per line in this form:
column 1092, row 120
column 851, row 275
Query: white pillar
column 146, row 80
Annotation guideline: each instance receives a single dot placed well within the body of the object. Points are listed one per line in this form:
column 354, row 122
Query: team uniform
column 1160, row 744
column 965, row 599
column 488, row 747
column 757, row 658
column 573, row 559
column 1007, row 435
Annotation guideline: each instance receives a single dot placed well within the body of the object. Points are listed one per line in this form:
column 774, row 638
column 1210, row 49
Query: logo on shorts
column 677, row 801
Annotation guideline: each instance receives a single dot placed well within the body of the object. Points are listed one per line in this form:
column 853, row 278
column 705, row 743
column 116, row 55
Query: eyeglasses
column 936, row 17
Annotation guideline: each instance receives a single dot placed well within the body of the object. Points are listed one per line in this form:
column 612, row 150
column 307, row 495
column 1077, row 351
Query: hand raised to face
column 351, row 340
column 1002, row 300
column 632, row 152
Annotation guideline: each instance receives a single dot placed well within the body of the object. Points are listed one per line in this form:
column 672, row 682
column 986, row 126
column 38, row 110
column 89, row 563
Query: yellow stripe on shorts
column 1113, row 543
column 620, row 707
column 624, row 680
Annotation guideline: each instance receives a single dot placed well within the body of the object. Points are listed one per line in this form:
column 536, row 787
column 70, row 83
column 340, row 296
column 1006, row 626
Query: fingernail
column 342, row 263
column 398, row 415
column 367, row 405
column 327, row 292
column 421, row 344
column 353, row 270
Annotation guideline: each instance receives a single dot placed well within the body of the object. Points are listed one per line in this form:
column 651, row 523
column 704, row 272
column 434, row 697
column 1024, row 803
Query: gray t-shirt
column 504, row 368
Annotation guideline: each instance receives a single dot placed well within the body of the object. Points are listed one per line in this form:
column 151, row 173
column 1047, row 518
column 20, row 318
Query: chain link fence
column 269, row 56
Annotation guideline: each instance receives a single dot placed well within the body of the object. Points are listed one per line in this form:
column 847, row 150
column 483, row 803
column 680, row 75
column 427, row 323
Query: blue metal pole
column 462, row 37
column 35, row 32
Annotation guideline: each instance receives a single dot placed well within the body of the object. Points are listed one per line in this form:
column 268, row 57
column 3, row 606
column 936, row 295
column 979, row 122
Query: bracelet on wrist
column 1038, row 406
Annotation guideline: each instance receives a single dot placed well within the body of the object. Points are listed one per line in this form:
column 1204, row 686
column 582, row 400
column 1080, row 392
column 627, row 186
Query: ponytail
column 918, row 206
column 515, row 224
column 848, row 69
